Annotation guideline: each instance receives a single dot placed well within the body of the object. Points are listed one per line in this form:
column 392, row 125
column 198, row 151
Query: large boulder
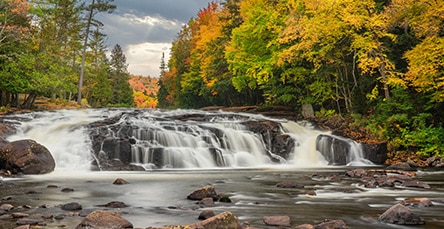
column 104, row 220
column 400, row 214
column 26, row 157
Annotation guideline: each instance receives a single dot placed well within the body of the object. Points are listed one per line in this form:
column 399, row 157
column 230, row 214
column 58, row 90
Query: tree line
column 55, row 48
column 379, row 61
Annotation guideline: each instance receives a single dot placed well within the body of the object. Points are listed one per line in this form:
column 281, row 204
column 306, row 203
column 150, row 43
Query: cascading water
column 180, row 139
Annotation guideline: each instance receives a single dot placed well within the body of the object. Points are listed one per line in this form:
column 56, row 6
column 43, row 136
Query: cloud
column 144, row 59
column 146, row 28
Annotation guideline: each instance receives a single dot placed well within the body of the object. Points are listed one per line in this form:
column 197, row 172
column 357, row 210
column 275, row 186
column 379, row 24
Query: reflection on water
column 159, row 198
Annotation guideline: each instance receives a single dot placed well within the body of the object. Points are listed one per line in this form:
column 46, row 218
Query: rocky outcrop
column 339, row 150
column 25, row 157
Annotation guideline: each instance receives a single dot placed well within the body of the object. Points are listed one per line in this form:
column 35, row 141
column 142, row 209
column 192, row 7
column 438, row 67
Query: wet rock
column 400, row 214
column 288, row 184
column 277, row 220
column 222, row 220
column 67, row 190
column 19, row 215
column 29, row 221
column 27, row 157
column 331, row 224
column 224, row 199
column 103, row 219
column 73, row 206
column 356, row 173
column 204, row 192
column 417, row 202
column 60, row 217
column 304, row 226
column 206, row 202
column 400, row 166
column 415, row 184
column 205, row 214
column 115, row 204
column 51, row 186
column 27, row 226
column 6, row 207
column 120, row 181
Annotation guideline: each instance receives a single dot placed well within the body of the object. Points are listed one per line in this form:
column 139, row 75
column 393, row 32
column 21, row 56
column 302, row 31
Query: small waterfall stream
column 179, row 139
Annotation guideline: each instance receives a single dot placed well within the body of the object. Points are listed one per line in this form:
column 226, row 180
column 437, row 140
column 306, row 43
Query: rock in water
column 104, row 220
column 221, row 221
column 27, row 157
column 204, row 192
column 400, row 214
column 330, row 224
column 277, row 220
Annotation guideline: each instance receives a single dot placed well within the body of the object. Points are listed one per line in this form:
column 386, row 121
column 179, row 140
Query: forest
column 55, row 48
column 380, row 62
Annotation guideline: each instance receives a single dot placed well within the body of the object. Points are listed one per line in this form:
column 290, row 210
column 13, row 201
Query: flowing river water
column 157, row 197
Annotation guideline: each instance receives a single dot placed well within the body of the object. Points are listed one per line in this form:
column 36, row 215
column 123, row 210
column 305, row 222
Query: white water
column 182, row 144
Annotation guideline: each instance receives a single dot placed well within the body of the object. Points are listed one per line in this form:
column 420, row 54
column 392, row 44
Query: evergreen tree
column 95, row 7
column 97, row 89
column 119, row 77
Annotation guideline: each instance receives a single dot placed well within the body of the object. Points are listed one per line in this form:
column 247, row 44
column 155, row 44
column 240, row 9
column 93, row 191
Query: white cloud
column 144, row 59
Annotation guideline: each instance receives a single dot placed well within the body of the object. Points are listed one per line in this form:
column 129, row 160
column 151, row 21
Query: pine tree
column 119, row 77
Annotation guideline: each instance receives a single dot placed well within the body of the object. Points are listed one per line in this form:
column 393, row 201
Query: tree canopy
column 382, row 60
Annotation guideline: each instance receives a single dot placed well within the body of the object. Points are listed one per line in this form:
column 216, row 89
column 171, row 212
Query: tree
column 15, row 29
column 95, row 7
column 97, row 90
column 119, row 77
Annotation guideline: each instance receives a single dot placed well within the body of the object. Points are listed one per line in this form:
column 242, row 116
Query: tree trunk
column 85, row 44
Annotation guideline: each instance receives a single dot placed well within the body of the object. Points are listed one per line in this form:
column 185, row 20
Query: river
column 157, row 197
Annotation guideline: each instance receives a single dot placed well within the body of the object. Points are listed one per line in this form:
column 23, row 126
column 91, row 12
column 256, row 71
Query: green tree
column 97, row 89
column 95, row 7
column 119, row 77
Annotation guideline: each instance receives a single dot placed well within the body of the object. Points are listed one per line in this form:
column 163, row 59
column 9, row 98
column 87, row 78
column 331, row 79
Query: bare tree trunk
column 85, row 44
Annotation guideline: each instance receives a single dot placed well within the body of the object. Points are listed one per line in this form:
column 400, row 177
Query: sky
column 146, row 28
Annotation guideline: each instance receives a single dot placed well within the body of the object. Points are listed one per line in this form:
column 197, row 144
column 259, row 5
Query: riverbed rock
column 6, row 207
column 102, row 219
column 288, row 184
column 417, row 202
column 120, row 181
column 304, row 226
column 283, row 221
column 331, row 224
column 206, row 202
column 400, row 214
column 206, row 214
column 73, row 206
column 26, row 157
column 222, row 220
column 204, row 192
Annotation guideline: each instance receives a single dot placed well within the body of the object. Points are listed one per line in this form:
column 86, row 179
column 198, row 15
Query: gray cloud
column 146, row 28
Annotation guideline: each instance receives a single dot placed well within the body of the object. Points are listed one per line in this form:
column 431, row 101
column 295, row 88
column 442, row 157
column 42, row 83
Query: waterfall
column 179, row 139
